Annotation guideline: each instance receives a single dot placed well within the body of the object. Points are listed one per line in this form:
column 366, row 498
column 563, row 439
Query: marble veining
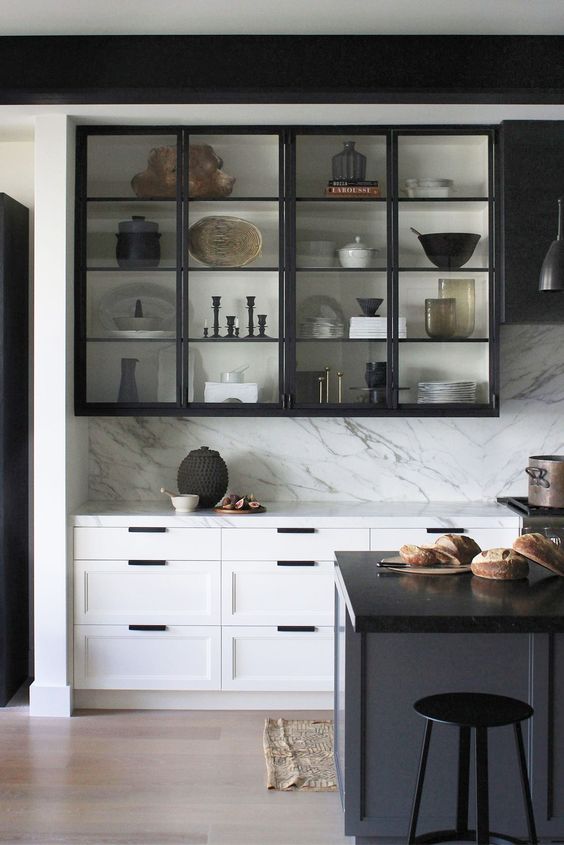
column 355, row 459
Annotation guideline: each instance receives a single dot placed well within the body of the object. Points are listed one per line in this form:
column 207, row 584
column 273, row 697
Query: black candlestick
column 262, row 324
column 236, row 331
column 251, row 308
column 206, row 330
column 216, row 306
column 230, row 325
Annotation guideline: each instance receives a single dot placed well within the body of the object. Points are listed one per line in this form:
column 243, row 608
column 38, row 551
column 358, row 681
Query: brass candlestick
column 327, row 371
column 340, row 387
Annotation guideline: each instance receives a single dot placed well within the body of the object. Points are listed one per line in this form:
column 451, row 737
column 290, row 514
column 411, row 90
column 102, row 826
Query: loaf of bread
column 427, row 555
column 462, row 547
column 541, row 550
column 500, row 565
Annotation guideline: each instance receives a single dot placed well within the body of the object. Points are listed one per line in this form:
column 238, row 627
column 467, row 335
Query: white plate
column 140, row 334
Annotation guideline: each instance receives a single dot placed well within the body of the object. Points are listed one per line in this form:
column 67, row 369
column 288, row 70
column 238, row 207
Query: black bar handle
column 146, row 562
column 305, row 628
column 446, row 530
column 295, row 563
column 147, row 530
column 296, row 530
column 147, row 627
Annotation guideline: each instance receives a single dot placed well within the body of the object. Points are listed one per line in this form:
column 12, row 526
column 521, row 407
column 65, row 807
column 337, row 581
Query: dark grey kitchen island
column 399, row 637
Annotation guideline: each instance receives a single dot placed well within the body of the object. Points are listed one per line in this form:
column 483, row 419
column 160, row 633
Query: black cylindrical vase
column 138, row 244
column 203, row 471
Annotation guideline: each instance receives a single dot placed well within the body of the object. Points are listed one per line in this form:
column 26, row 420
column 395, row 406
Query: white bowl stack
column 428, row 188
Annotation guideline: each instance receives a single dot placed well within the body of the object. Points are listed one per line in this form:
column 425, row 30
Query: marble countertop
column 303, row 514
column 390, row 602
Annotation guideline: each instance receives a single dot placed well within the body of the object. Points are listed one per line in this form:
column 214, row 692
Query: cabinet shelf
column 381, row 269
column 128, row 199
column 341, row 198
column 240, row 339
column 443, row 270
column 197, row 269
column 341, row 339
column 444, row 340
column 116, row 269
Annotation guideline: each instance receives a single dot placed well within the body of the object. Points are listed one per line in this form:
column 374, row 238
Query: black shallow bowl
column 449, row 250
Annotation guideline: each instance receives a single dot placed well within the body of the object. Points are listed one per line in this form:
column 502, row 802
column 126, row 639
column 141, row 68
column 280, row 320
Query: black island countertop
column 380, row 601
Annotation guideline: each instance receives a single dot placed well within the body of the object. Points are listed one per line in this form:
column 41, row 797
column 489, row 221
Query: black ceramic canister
column 138, row 244
column 203, row 471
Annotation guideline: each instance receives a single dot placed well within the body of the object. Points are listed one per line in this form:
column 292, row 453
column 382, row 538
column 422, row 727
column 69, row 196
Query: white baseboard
column 174, row 700
column 50, row 701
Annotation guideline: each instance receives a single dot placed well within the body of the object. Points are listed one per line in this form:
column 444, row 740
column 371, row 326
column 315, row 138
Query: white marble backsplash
column 355, row 459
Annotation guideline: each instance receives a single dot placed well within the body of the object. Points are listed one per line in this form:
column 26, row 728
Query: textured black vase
column 203, row 471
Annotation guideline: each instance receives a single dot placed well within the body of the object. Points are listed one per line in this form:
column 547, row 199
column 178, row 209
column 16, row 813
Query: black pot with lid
column 138, row 244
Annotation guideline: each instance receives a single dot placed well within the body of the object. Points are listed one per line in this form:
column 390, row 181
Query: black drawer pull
column 446, row 530
column 296, row 530
column 146, row 530
column 147, row 627
column 305, row 628
column 146, row 562
column 295, row 563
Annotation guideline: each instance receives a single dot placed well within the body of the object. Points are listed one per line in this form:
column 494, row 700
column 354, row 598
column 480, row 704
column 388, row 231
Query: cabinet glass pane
column 314, row 161
column 233, row 291
column 248, row 165
column 361, row 383
column 113, row 161
column 234, row 372
column 322, row 229
column 152, row 250
column 139, row 368
column 463, row 159
column 238, row 234
column 131, row 305
column 415, row 288
column 437, row 217
column 443, row 362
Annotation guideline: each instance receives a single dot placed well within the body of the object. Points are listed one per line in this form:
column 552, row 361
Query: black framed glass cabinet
column 334, row 271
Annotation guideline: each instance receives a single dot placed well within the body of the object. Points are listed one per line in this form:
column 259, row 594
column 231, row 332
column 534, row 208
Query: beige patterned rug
column 299, row 755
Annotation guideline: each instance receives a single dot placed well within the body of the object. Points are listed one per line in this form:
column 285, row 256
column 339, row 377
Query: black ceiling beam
column 282, row 69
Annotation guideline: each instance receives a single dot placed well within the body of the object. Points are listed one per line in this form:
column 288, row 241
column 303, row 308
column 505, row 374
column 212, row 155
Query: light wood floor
column 151, row 778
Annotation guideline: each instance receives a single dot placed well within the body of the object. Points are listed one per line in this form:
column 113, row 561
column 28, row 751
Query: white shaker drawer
column 291, row 544
column 267, row 659
column 271, row 592
column 179, row 658
column 114, row 592
column 158, row 543
column 390, row 539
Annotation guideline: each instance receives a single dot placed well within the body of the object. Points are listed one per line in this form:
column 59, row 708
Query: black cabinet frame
column 287, row 202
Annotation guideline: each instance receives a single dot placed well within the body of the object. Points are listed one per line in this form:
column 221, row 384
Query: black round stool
column 467, row 710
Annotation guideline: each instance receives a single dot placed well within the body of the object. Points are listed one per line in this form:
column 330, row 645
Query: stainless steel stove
column 547, row 521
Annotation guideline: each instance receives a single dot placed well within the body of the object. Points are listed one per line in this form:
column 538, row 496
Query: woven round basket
column 224, row 241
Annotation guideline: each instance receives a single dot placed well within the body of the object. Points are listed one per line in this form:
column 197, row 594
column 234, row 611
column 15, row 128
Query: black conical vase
column 552, row 270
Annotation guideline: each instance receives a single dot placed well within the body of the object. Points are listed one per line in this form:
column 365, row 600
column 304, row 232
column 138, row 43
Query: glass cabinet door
column 341, row 310
column 444, row 280
column 129, row 266
column 235, row 278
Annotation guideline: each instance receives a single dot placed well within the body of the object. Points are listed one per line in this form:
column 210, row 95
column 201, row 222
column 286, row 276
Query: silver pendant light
column 552, row 270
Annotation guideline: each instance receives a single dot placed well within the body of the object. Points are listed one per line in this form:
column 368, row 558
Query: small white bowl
column 185, row 503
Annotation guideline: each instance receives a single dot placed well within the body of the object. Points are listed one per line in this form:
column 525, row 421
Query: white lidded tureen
column 357, row 254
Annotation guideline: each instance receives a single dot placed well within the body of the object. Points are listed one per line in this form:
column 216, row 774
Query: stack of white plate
column 423, row 188
column 374, row 328
column 321, row 327
column 429, row 392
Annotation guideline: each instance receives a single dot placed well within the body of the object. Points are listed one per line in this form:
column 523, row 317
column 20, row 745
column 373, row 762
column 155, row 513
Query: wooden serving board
column 414, row 569
column 229, row 512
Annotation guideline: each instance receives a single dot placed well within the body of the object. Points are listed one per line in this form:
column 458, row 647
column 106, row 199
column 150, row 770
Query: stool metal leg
column 420, row 779
column 482, row 796
column 525, row 784
column 463, row 781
